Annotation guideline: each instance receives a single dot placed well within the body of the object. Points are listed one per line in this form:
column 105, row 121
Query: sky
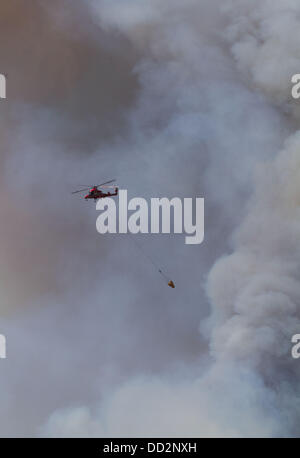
column 185, row 99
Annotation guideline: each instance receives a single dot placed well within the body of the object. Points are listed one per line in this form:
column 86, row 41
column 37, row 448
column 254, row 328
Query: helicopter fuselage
column 96, row 193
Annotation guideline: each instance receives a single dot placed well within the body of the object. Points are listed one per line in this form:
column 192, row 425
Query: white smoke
column 264, row 37
column 177, row 99
column 250, row 388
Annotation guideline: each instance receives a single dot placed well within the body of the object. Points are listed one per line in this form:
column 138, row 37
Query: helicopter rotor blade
column 112, row 186
column 91, row 186
column 81, row 190
column 107, row 182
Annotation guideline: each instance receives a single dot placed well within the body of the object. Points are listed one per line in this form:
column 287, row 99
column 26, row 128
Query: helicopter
column 95, row 193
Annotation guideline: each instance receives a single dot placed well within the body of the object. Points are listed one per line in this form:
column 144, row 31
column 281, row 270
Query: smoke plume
column 172, row 99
